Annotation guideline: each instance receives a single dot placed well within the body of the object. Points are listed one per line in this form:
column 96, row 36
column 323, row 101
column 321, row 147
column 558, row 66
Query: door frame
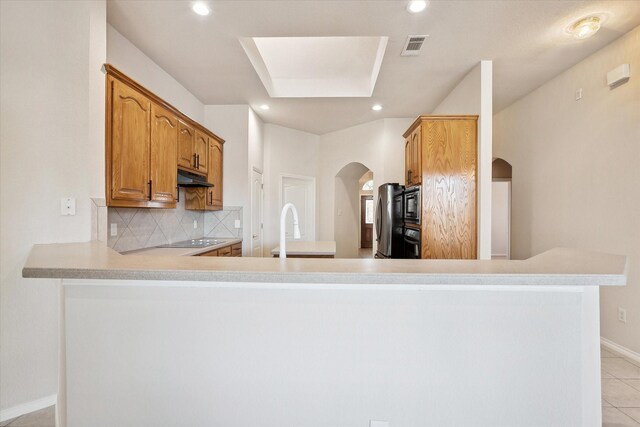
column 310, row 180
column 510, row 185
column 363, row 204
column 261, row 213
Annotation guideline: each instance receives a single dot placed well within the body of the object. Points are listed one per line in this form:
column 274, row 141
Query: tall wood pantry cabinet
column 441, row 156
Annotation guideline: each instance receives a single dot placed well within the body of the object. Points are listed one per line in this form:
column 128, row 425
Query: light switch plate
column 236, row 223
column 114, row 229
column 195, row 223
column 67, row 206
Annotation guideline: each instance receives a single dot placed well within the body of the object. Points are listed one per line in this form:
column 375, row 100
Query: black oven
column 412, row 243
column 412, row 205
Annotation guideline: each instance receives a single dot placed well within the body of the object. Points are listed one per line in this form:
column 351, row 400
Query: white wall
column 500, row 207
column 378, row 145
column 347, row 212
column 575, row 171
column 126, row 57
column 286, row 151
column 51, row 146
column 474, row 95
column 231, row 123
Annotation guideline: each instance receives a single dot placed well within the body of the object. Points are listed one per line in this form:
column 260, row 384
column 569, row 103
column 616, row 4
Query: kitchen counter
column 94, row 260
column 251, row 333
column 182, row 251
column 299, row 248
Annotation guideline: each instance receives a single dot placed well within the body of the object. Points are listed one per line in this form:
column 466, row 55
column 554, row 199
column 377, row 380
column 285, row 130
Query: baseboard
column 25, row 408
column 620, row 349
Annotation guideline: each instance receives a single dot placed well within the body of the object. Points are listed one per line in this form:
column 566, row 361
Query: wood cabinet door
column 215, row 174
column 164, row 146
column 130, row 139
column 186, row 146
column 416, row 156
column 201, row 150
column 408, row 162
column 449, row 189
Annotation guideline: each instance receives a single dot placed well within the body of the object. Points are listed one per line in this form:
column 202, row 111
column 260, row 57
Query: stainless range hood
column 188, row 179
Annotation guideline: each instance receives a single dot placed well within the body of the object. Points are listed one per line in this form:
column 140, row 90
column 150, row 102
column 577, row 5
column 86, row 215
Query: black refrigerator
column 389, row 221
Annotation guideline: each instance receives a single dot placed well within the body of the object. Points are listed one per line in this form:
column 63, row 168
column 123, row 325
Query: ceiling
column 525, row 39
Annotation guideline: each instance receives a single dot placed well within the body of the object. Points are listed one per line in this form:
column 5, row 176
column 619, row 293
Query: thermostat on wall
column 618, row 75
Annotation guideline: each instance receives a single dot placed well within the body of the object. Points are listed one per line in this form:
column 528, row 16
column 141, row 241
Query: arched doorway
column 501, row 173
column 348, row 209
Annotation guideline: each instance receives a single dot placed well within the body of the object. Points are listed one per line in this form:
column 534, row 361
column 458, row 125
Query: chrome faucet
column 283, row 220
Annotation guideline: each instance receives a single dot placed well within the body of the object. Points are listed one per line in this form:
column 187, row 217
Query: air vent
column 413, row 45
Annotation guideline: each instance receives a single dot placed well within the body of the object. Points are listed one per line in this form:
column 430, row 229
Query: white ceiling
column 524, row 38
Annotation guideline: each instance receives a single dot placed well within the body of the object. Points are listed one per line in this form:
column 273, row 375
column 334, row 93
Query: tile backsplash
column 145, row 228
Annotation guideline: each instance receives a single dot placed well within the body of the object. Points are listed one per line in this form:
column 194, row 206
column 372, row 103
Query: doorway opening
column 301, row 192
column 354, row 212
column 501, row 209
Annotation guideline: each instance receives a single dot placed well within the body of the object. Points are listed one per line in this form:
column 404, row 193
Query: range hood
column 188, row 179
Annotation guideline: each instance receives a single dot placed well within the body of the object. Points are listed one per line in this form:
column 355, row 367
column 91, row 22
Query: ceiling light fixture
column 201, row 8
column 264, row 107
column 377, row 107
column 585, row 28
column 416, row 6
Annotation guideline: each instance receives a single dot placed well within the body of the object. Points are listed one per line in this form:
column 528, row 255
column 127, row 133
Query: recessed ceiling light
column 585, row 28
column 377, row 107
column 201, row 8
column 264, row 107
column 416, row 6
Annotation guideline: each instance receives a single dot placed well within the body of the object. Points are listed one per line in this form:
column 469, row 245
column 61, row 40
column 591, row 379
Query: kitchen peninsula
column 264, row 341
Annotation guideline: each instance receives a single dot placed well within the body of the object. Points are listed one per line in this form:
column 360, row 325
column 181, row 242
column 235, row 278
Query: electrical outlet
column 67, row 206
column 195, row 223
column 622, row 315
column 236, row 224
column 114, row 229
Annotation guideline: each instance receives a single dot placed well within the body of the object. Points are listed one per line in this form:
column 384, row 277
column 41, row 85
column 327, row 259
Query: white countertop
column 182, row 251
column 94, row 260
column 301, row 247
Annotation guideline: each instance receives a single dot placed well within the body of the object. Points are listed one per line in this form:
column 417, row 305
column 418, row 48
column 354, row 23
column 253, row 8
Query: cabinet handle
column 194, row 160
column 197, row 161
column 150, row 189
column 178, row 194
column 409, row 175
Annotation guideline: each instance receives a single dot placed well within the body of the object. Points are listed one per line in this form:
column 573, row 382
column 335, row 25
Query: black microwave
column 412, row 206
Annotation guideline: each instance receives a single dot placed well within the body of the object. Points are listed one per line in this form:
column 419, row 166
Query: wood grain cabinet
column 413, row 156
column 140, row 149
column 209, row 198
column 147, row 140
column 447, row 158
column 231, row 251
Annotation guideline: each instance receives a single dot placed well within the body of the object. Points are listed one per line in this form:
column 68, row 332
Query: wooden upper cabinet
column 201, row 150
column 128, row 140
column 186, row 144
column 413, row 155
column 147, row 140
column 215, row 174
column 164, row 147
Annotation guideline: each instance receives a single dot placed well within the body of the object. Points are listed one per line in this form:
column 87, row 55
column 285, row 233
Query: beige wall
column 576, row 171
column 51, row 146
column 126, row 57
column 286, row 151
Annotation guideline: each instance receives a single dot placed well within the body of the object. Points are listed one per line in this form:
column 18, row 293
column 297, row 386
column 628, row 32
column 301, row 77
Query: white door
column 501, row 220
column 256, row 213
column 301, row 191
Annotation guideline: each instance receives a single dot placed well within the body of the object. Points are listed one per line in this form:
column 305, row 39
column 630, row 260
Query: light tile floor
column 620, row 390
column 620, row 396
